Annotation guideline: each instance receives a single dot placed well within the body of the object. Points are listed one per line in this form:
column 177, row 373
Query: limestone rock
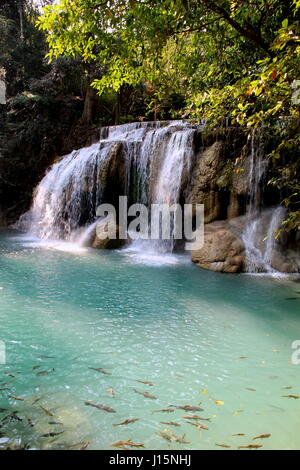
column 112, row 174
column 107, row 235
column 204, row 185
column 223, row 249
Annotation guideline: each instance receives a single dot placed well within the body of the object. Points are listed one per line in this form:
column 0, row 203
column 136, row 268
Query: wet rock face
column 226, row 248
column 204, row 187
column 107, row 235
column 223, row 249
column 113, row 173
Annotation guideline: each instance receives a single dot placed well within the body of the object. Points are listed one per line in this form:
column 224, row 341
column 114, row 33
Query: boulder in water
column 223, row 249
column 107, row 235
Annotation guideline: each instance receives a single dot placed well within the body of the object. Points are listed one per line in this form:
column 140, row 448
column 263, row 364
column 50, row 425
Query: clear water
column 161, row 320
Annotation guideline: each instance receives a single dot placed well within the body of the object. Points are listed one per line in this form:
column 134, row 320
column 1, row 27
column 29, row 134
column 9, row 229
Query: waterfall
column 260, row 242
column 257, row 168
column 69, row 194
column 156, row 159
column 257, row 253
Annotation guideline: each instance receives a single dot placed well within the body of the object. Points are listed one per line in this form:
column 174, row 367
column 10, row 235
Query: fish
column 36, row 400
column 126, row 421
column 170, row 423
column 45, row 372
column 223, row 445
column 196, row 417
column 47, row 357
column 103, row 371
column 286, row 388
column 52, row 434
column 239, row 434
column 77, row 444
column 119, row 444
column 16, row 398
column 126, row 443
column 46, row 411
column 198, row 425
column 188, row 408
column 101, row 407
column 291, row 396
column 134, row 444
column 164, row 410
column 35, row 367
column 151, row 384
column 262, row 436
column 178, row 439
column 251, row 389
column 251, row 446
column 146, row 394
column 55, row 423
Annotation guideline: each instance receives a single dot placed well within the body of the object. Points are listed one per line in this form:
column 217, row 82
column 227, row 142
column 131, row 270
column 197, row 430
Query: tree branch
column 248, row 32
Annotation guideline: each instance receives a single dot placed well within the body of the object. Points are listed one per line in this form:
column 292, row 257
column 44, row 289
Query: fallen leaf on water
column 219, row 402
column 111, row 392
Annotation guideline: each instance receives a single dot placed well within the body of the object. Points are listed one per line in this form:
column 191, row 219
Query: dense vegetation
column 219, row 60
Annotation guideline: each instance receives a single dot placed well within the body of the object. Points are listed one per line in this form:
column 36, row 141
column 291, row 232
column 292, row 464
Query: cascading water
column 69, row 194
column 261, row 227
column 256, row 172
column 259, row 239
column 157, row 161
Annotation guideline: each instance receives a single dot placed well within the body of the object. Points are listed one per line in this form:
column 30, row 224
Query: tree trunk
column 20, row 10
column 89, row 105
column 118, row 106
